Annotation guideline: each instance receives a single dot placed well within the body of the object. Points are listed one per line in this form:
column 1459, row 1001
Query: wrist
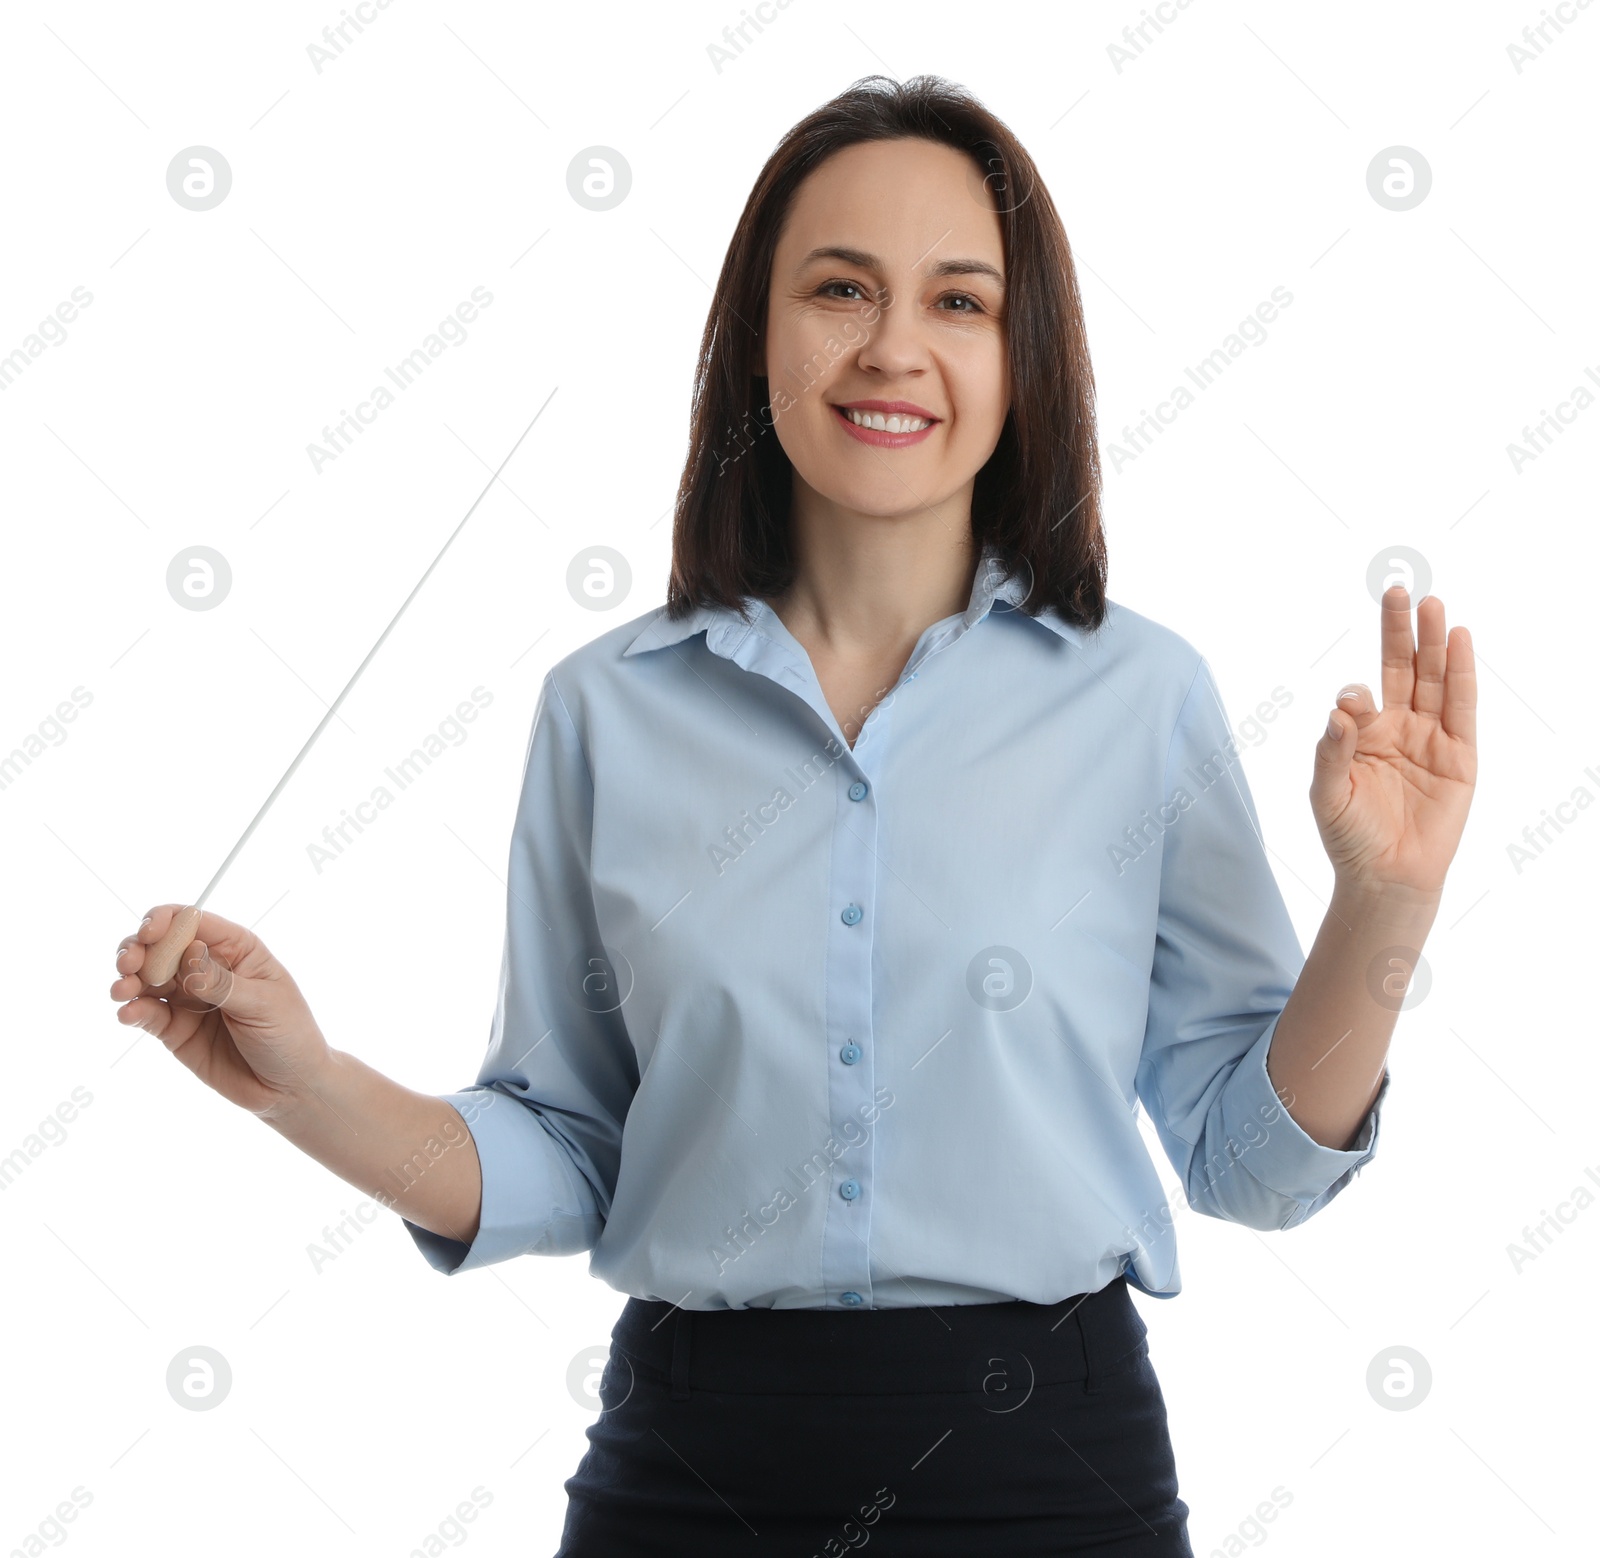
column 313, row 1089
column 1386, row 903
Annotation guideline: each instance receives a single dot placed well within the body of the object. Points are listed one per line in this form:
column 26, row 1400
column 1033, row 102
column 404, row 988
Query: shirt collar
column 989, row 587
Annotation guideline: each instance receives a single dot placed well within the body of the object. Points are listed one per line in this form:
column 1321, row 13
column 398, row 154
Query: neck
column 864, row 584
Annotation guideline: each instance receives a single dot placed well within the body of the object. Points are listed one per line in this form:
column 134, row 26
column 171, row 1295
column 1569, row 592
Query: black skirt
column 1002, row 1429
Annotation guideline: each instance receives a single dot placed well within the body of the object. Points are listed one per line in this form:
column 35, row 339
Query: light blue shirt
column 783, row 1024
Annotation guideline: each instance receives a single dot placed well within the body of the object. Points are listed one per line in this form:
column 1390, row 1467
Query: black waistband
column 923, row 1348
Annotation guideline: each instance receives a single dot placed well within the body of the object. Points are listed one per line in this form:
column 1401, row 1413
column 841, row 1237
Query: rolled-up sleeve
column 547, row 1111
column 1225, row 963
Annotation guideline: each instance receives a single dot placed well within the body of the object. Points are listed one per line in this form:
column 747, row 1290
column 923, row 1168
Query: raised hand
column 1391, row 789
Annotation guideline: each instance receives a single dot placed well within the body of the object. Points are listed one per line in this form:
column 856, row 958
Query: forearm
column 407, row 1150
column 1331, row 1045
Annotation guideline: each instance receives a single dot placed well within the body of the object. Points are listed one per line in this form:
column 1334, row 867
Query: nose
column 895, row 344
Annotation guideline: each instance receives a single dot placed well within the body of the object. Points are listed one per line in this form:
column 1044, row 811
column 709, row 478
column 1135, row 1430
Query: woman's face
column 888, row 296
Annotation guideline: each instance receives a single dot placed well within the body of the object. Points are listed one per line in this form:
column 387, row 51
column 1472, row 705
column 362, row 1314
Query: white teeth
column 892, row 424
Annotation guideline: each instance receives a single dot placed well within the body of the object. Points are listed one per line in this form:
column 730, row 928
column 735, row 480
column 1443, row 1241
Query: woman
column 859, row 896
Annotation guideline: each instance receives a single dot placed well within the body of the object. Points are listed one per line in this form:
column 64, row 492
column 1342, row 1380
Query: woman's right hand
column 231, row 1013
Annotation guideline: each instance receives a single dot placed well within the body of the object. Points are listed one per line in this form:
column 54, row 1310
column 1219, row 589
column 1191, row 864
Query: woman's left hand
column 1391, row 789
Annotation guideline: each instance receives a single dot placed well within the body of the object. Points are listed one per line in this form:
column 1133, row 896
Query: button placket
column 846, row 1252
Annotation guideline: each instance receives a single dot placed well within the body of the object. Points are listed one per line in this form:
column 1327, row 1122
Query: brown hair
column 1036, row 499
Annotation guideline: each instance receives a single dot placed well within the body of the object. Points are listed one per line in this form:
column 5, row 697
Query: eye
column 963, row 297
column 823, row 289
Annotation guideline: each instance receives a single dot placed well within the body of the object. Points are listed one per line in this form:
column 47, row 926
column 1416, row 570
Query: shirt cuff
column 534, row 1200
column 1277, row 1151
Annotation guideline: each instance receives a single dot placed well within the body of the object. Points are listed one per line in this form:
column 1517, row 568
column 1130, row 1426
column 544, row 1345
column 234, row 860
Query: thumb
column 1330, row 779
column 206, row 982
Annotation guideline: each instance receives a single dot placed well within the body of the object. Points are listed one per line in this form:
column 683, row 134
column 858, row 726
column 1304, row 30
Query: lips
column 883, row 438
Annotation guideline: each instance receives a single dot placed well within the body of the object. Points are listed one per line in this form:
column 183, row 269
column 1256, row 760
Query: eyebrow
column 872, row 262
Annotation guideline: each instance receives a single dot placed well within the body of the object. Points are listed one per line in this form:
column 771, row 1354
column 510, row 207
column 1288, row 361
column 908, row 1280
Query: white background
column 368, row 199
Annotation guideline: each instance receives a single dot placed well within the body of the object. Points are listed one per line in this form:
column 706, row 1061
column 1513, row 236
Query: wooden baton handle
column 161, row 962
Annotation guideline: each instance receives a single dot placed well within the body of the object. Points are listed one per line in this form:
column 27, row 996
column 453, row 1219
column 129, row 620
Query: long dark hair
column 1037, row 498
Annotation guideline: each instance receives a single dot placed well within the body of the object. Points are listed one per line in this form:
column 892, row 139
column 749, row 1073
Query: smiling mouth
column 892, row 430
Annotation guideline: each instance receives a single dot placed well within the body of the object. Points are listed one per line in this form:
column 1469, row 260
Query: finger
column 1356, row 699
column 1428, row 695
column 133, row 952
column 1330, row 775
column 154, row 925
column 203, row 981
column 146, row 1012
column 130, row 957
column 1461, row 688
column 174, row 1026
column 229, row 942
column 1398, row 648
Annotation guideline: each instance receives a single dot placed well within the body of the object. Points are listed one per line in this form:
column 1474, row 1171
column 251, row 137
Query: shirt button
column 858, row 790
column 850, row 1054
column 852, row 1299
column 852, row 914
column 850, row 1189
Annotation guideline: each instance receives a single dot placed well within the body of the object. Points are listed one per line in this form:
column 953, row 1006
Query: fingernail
column 1334, row 730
